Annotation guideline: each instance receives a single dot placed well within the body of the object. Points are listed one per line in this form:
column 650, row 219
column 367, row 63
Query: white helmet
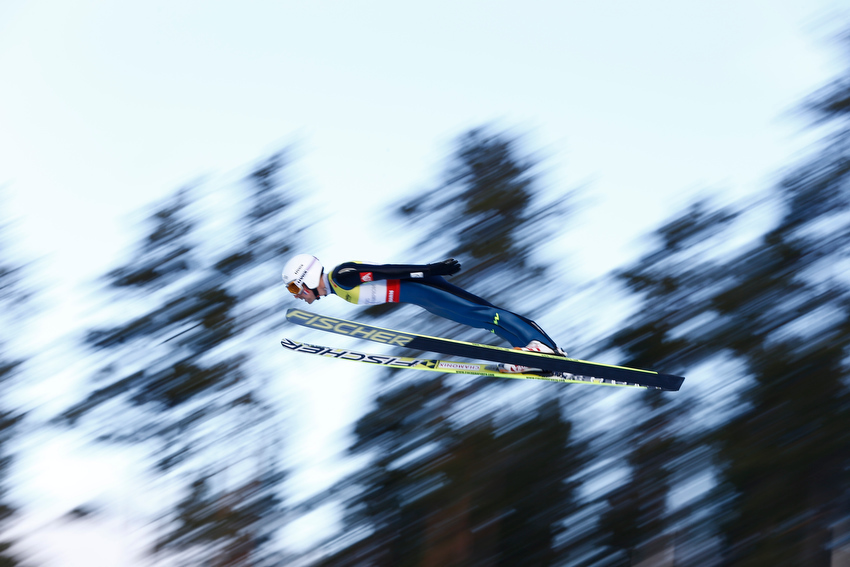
column 302, row 270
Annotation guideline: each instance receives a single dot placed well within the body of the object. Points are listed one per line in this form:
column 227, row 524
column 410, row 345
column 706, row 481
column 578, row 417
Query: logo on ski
column 344, row 354
column 458, row 366
column 349, row 328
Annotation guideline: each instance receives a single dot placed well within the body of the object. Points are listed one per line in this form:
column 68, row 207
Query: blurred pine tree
column 463, row 472
column 178, row 373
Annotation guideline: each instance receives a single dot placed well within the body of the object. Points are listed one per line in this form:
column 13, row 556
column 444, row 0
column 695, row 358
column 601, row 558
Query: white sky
column 107, row 106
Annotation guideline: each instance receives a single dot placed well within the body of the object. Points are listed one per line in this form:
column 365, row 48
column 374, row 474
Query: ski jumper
column 374, row 284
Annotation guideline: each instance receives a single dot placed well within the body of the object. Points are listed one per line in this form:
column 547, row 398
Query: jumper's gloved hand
column 445, row 268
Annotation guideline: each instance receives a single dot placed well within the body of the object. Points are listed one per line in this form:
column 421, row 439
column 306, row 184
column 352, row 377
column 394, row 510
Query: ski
column 551, row 363
column 444, row 366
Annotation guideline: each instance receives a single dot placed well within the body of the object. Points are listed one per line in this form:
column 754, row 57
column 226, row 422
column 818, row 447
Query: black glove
column 445, row 268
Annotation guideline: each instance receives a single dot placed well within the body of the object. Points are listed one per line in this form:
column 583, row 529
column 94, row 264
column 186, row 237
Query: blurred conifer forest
column 748, row 465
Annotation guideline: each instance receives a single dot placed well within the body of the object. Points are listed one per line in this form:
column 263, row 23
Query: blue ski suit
column 425, row 286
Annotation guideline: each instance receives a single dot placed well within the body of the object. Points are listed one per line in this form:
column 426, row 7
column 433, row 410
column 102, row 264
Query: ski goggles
column 293, row 288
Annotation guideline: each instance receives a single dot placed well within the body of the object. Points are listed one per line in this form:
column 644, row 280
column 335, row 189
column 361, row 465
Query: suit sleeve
column 352, row 274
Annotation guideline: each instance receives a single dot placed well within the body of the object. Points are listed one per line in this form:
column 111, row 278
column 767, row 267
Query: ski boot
column 533, row 346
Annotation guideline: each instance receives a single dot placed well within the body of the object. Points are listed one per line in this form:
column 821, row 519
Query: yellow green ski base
column 445, row 366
